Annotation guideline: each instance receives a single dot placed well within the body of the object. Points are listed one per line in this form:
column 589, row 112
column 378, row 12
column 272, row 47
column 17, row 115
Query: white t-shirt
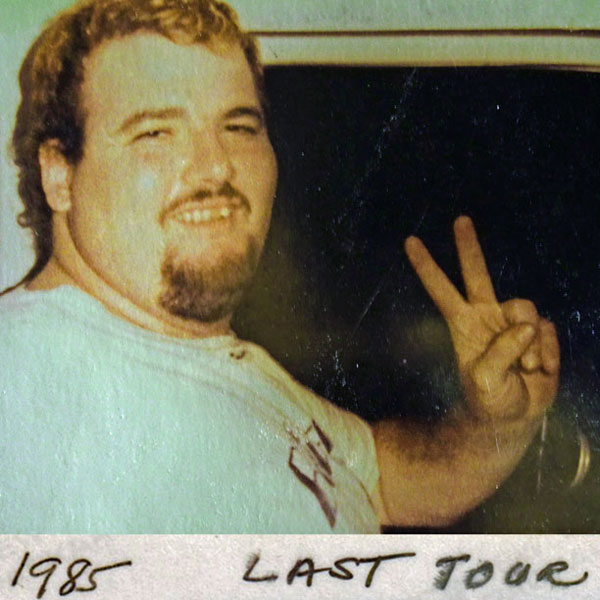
column 109, row 428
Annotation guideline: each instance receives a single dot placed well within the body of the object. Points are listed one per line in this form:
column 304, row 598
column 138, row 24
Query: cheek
column 147, row 182
column 268, row 185
column 117, row 202
column 258, row 171
column 110, row 177
column 268, row 181
column 141, row 190
column 152, row 172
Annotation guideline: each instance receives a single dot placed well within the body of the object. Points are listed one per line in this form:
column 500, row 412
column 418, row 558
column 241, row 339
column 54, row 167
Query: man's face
column 171, row 202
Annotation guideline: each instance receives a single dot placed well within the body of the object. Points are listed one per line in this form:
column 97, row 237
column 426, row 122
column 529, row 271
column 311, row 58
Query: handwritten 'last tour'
column 469, row 573
column 450, row 571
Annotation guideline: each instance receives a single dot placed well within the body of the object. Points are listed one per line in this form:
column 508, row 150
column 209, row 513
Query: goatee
column 207, row 293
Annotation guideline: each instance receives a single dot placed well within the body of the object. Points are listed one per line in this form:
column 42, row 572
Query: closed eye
column 242, row 128
column 151, row 134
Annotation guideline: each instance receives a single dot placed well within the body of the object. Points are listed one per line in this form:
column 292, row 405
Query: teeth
column 202, row 216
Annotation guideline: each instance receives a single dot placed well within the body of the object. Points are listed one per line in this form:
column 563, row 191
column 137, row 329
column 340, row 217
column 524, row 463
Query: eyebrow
column 148, row 115
column 246, row 111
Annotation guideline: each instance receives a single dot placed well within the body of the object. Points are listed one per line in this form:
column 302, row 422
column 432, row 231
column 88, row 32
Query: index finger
column 443, row 293
column 476, row 277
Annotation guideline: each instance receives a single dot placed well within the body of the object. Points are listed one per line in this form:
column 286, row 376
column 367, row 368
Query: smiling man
column 127, row 403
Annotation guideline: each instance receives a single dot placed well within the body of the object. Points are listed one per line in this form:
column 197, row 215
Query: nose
column 207, row 162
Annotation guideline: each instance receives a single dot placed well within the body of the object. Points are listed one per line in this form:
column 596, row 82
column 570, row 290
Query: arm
column 508, row 358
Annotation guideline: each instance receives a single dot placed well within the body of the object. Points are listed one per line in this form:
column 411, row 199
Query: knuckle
column 548, row 326
column 531, row 361
column 521, row 310
column 526, row 307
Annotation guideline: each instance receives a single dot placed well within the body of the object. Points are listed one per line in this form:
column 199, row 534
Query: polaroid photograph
column 299, row 268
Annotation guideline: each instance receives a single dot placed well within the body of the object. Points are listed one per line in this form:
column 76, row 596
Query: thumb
column 494, row 393
column 506, row 348
column 502, row 353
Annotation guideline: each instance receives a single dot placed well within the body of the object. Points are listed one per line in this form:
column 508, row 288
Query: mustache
column 226, row 190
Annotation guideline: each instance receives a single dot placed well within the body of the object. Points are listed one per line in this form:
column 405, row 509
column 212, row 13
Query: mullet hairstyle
column 52, row 73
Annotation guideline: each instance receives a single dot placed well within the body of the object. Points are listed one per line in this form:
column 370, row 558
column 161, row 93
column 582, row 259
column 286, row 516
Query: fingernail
column 462, row 222
column 411, row 243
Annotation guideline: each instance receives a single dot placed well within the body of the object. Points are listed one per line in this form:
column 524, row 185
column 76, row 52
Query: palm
column 474, row 329
column 507, row 356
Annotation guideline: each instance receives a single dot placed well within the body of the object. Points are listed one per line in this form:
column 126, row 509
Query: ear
column 56, row 174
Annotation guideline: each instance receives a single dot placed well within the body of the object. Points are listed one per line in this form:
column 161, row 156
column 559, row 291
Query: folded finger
column 524, row 311
column 531, row 360
column 518, row 310
column 550, row 350
column 505, row 351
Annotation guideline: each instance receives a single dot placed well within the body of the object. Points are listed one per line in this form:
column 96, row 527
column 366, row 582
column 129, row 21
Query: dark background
column 368, row 156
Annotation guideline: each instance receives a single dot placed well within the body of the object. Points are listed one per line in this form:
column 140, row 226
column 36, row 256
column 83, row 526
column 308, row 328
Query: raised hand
column 508, row 356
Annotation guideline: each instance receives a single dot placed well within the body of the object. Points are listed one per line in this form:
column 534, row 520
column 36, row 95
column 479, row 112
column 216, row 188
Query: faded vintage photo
column 327, row 291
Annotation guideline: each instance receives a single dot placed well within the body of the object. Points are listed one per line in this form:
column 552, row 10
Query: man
column 128, row 405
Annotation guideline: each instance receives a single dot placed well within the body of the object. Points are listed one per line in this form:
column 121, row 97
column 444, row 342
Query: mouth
column 207, row 211
column 194, row 216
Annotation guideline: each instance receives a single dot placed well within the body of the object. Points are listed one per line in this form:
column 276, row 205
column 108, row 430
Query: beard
column 207, row 293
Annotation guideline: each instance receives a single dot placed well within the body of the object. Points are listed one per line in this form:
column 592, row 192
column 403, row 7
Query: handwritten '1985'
column 75, row 571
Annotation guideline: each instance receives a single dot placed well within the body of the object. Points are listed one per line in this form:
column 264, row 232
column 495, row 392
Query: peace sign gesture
column 508, row 356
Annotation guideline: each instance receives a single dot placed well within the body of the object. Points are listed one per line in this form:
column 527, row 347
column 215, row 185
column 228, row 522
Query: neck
column 67, row 267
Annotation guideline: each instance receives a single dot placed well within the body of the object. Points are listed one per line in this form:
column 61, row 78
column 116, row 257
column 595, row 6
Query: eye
column 244, row 128
column 151, row 134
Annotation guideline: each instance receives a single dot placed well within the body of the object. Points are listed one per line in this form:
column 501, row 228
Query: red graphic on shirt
column 309, row 461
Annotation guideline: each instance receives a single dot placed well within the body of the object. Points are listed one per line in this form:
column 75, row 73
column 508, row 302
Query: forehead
column 148, row 70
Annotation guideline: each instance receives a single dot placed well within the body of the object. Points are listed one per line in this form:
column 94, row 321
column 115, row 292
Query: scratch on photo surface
column 379, row 285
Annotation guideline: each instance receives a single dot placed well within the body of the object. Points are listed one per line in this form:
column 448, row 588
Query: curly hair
column 52, row 73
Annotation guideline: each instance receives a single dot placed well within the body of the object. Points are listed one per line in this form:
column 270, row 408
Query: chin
column 195, row 290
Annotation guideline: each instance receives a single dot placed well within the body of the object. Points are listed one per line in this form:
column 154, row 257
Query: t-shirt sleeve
column 352, row 438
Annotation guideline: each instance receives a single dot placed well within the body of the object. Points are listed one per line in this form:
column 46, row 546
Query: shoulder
column 17, row 301
column 33, row 325
column 304, row 396
column 19, row 308
column 351, row 435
